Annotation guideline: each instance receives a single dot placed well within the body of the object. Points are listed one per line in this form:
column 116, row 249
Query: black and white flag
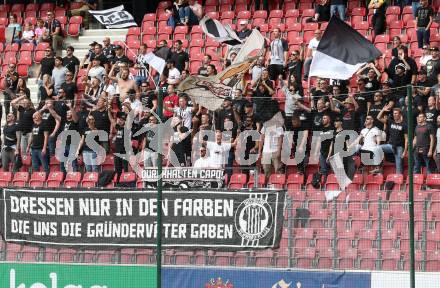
column 219, row 32
column 114, row 18
column 341, row 52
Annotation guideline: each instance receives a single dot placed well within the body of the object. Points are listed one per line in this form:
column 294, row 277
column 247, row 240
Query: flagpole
column 159, row 113
column 146, row 70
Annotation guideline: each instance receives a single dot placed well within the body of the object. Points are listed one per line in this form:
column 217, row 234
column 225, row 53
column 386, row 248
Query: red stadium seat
column 227, row 15
column 393, row 10
column 5, row 179
column 277, row 181
column 72, row 179
column 90, row 179
column 14, row 47
column 292, row 13
column 20, row 179
column 261, row 181
column 17, row 9
column 244, row 15
column 38, row 179
column 127, row 177
column 54, row 179
column 359, row 11
column 260, row 14
column 60, row 11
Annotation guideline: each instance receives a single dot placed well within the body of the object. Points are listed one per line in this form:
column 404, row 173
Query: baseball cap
column 435, row 48
column 118, row 47
column 243, row 21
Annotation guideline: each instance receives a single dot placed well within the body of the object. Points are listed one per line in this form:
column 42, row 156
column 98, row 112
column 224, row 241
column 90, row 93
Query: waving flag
column 341, row 52
column 252, row 48
column 114, row 18
column 220, row 33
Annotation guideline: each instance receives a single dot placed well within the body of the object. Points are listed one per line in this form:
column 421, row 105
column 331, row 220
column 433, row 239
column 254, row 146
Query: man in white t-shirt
column 311, row 50
column 184, row 111
column 270, row 148
column 371, row 153
column 204, row 161
column 219, row 151
column 173, row 73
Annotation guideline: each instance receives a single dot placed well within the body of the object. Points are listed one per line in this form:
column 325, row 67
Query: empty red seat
column 72, row 179
column 237, row 181
column 38, row 179
column 277, row 180
column 90, row 179
column 20, row 179
column 260, row 14
column 433, row 180
column 261, row 181
column 5, row 178
column 393, row 10
column 54, row 179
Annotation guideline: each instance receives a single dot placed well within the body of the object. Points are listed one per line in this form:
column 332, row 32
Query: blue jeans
column 418, row 158
column 140, row 79
column 415, row 6
column 185, row 13
column 422, row 37
column 51, row 145
column 397, row 152
column 74, row 162
column 324, row 167
column 171, row 22
column 341, row 11
column 38, row 160
column 90, row 159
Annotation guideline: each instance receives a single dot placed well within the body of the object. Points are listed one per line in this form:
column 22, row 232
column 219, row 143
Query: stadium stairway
column 81, row 45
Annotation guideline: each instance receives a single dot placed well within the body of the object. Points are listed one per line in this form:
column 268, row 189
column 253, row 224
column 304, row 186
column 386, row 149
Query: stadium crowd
column 112, row 85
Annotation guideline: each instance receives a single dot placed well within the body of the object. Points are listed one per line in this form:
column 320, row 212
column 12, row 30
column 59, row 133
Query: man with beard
column 375, row 109
column 316, row 114
column 102, row 121
column 124, row 84
column 347, row 112
column 423, row 89
column 398, row 135
column 71, row 62
column 431, row 112
column 326, row 140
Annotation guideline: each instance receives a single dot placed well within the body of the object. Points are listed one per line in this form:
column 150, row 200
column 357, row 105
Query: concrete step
column 98, row 38
column 106, row 32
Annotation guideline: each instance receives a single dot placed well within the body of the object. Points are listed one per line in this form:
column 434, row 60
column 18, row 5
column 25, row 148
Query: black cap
column 93, row 43
column 435, row 48
column 118, row 47
column 338, row 119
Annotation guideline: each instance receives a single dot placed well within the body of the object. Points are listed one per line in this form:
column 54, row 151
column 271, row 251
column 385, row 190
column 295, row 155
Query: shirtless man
column 124, row 84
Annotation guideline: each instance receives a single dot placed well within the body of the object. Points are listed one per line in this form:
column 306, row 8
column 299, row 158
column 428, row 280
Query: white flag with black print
column 341, row 52
column 114, row 18
column 219, row 32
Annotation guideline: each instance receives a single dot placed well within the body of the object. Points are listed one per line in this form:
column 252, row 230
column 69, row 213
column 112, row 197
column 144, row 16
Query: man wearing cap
column 119, row 56
column 243, row 32
column 433, row 65
column 278, row 55
column 89, row 55
column 347, row 112
column 422, row 89
column 406, row 62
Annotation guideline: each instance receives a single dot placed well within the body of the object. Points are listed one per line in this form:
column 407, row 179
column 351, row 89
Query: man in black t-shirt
column 71, row 124
column 25, row 122
column 108, row 49
column 180, row 57
column 347, row 112
column 46, row 66
column 120, row 56
column 51, row 122
column 55, row 34
column 300, row 145
column 121, row 133
column 424, row 19
column 71, row 62
column 375, row 109
column 403, row 60
column 102, row 121
column 326, row 139
column 422, row 89
column 11, row 141
column 104, row 62
column 433, row 65
column 398, row 135
column 424, row 144
column 38, row 144
column 69, row 87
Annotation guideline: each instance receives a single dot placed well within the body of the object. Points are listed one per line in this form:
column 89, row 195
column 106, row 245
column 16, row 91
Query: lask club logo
column 254, row 219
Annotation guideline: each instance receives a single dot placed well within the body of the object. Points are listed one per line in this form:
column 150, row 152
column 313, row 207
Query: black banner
column 213, row 219
column 184, row 177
